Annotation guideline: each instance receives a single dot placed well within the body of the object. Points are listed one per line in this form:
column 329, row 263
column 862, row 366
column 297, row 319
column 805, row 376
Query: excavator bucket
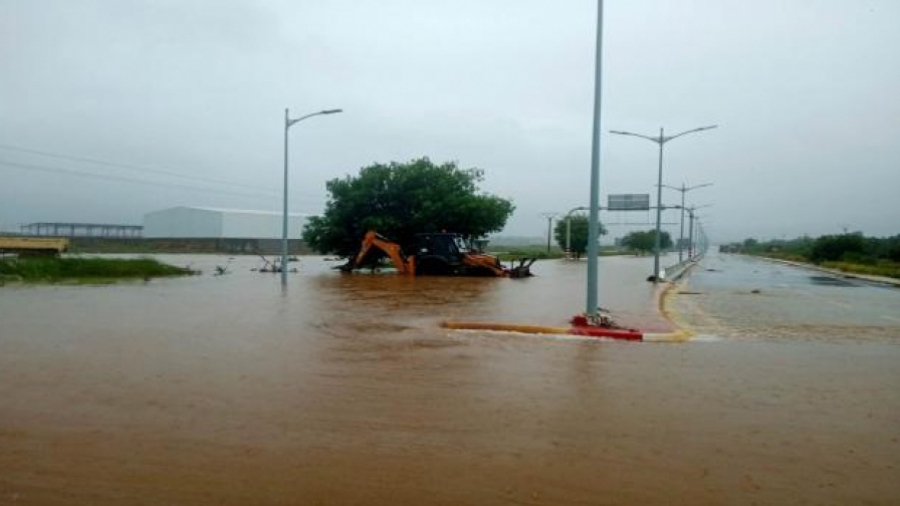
column 522, row 269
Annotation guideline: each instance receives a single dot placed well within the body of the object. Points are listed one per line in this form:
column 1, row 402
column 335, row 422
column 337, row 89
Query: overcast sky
column 185, row 100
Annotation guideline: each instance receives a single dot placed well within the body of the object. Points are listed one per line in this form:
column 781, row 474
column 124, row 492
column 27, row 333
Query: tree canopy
column 399, row 200
column 645, row 241
column 837, row 247
column 578, row 240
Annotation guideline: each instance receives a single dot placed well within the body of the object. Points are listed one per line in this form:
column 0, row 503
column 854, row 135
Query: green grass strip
column 63, row 269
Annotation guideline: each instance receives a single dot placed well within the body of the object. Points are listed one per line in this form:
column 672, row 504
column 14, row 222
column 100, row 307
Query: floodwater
column 343, row 390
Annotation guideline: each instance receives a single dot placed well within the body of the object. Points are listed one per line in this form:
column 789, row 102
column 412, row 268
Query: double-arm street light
column 288, row 123
column 661, row 140
column 702, row 240
column 693, row 217
column 683, row 189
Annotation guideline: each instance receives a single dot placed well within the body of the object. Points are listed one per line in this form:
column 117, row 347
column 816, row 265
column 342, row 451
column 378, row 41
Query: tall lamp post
column 591, row 301
column 661, row 140
column 692, row 213
column 701, row 238
column 684, row 189
column 288, row 123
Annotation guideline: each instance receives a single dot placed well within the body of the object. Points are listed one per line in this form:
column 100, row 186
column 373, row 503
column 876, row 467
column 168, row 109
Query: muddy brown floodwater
column 342, row 390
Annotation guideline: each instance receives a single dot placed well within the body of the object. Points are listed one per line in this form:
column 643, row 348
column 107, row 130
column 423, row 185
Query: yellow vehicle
column 442, row 254
column 34, row 246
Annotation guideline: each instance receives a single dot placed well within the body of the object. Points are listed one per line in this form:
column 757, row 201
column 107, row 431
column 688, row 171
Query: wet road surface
column 743, row 297
column 224, row 390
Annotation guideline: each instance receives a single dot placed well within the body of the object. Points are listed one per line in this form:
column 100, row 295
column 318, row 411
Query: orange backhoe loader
column 435, row 254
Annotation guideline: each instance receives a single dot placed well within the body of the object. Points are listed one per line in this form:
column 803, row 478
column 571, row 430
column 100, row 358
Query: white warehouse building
column 212, row 223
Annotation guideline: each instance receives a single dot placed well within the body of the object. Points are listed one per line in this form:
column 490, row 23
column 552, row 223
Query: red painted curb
column 624, row 334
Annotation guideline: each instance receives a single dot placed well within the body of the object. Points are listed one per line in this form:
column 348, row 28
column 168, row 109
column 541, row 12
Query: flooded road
column 742, row 297
column 343, row 390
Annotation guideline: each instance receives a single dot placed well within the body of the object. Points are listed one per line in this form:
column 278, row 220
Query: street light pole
column 288, row 123
column 701, row 237
column 684, row 189
column 692, row 213
column 691, row 236
column 658, row 240
column 661, row 140
column 592, row 301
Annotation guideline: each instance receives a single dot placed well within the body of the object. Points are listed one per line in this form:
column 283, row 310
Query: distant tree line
column 850, row 248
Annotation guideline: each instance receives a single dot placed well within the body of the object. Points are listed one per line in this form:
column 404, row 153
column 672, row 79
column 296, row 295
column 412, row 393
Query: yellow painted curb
column 504, row 327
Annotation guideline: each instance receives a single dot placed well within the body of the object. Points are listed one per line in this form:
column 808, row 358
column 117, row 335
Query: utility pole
column 549, row 217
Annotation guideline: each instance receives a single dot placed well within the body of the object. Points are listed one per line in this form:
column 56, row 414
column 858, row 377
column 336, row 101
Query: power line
column 109, row 177
column 127, row 166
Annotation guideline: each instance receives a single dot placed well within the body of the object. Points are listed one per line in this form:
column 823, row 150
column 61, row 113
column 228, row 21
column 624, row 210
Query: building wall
column 259, row 225
column 183, row 222
column 184, row 245
column 200, row 223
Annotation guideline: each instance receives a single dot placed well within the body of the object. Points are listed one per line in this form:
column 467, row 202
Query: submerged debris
column 273, row 266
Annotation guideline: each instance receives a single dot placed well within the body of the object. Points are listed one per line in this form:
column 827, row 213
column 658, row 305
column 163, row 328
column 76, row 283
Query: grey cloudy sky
column 805, row 93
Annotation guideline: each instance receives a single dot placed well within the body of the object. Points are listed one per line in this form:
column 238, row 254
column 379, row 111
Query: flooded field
column 343, row 390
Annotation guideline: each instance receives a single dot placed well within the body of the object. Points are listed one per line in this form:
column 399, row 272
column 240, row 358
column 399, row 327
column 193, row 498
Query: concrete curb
column 680, row 334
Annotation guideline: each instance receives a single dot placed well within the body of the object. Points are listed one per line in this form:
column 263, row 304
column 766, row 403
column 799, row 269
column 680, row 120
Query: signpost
column 628, row 202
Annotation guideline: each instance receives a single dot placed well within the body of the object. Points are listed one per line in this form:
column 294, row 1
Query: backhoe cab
column 441, row 254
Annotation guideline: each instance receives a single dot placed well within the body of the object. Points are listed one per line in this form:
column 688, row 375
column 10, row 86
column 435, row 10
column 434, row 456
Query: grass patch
column 526, row 252
column 780, row 255
column 82, row 269
column 882, row 268
column 507, row 254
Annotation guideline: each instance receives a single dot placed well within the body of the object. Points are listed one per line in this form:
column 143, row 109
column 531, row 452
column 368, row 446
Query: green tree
column 399, row 200
column 579, row 233
column 645, row 241
column 836, row 247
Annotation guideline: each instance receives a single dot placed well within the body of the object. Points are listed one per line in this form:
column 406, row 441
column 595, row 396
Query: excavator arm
column 437, row 253
column 373, row 239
